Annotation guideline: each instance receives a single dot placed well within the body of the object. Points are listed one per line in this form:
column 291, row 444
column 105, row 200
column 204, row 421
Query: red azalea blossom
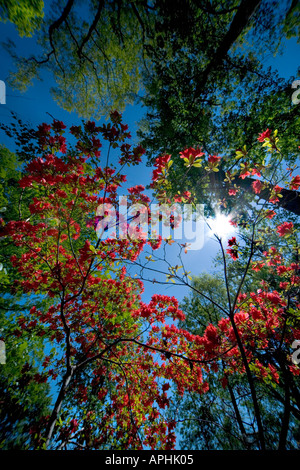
column 233, row 253
column 233, row 222
column 256, row 172
column 99, row 313
column 160, row 163
column 195, row 153
column 58, row 126
column 244, row 174
column 295, row 182
column 270, row 214
column 257, row 266
column 257, row 186
column 285, row 228
column 264, row 135
column 76, row 130
column 213, row 159
column 44, row 128
column 276, row 190
column 232, row 192
column 232, row 241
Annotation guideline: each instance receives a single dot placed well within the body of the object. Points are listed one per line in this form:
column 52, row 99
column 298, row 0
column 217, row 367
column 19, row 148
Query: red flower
column 224, row 382
column 162, row 160
column 285, row 228
column 136, row 189
column 295, row 182
column 44, row 128
column 186, row 194
column 232, row 192
column 233, row 252
column 232, row 241
column 213, row 159
column 191, row 156
column 270, row 214
column 264, row 135
column 257, row 186
column 73, row 425
column 233, row 222
column 245, row 174
column 256, row 172
column 91, row 127
column 258, row 266
column 58, row 126
column 160, row 163
column 195, row 153
column 116, row 117
column 75, row 130
column 275, row 191
column 211, row 334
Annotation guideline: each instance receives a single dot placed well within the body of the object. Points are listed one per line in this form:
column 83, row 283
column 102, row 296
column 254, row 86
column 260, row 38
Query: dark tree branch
column 236, row 410
column 239, row 22
column 92, row 27
column 59, row 21
column 287, row 409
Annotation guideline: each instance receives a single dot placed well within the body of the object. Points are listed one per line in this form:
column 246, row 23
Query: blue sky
column 36, row 102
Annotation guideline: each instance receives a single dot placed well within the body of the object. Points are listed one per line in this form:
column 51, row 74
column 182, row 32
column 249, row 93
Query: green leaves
column 26, row 15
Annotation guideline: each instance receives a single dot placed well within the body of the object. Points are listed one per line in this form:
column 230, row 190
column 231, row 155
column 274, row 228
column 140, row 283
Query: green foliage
column 26, row 15
column 24, row 400
column 238, row 99
column 94, row 52
column 201, row 311
column 103, row 53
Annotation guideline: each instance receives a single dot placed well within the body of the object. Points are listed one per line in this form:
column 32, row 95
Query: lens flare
column 220, row 225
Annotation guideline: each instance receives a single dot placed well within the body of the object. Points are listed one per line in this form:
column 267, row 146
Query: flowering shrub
column 130, row 350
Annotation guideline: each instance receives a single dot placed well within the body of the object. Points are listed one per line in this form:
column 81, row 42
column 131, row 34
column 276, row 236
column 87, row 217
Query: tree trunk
column 290, row 200
column 57, row 406
column 257, row 414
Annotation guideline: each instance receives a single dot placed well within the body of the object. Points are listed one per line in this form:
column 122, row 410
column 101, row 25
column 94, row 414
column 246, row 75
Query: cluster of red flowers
column 97, row 311
column 233, row 250
column 264, row 135
column 285, row 228
column 160, row 165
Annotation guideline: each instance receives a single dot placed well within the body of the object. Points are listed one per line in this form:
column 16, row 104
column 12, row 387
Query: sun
column 220, row 225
